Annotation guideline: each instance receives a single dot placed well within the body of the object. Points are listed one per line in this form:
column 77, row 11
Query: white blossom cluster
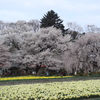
column 24, row 42
column 83, row 52
column 46, row 45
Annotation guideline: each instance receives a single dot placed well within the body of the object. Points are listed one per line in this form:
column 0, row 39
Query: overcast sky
column 81, row 11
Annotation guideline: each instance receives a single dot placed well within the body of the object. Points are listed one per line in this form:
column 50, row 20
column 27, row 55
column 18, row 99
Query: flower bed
column 31, row 77
column 51, row 91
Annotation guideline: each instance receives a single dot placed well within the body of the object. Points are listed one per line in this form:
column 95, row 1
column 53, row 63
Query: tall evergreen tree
column 52, row 19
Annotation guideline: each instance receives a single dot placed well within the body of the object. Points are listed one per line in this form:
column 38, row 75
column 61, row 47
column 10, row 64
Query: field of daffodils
column 31, row 77
column 51, row 91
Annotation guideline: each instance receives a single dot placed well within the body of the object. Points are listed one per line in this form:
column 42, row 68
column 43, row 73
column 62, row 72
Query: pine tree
column 52, row 19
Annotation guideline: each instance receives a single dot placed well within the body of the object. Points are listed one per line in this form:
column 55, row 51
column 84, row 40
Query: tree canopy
column 24, row 43
column 52, row 19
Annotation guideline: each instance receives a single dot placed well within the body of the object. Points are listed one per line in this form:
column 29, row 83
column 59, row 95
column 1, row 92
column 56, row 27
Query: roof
column 42, row 66
column 1, row 64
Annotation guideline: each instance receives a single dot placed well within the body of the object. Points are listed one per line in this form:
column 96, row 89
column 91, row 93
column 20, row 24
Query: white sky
column 83, row 12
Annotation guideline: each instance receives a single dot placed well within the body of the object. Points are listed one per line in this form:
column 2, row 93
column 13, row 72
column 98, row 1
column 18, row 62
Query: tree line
column 49, row 42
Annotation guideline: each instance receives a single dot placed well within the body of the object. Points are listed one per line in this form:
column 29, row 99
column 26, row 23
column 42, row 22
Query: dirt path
column 46, row 80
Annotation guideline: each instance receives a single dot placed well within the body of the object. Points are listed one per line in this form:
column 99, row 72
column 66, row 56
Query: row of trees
column 52, row 19
column 26, row 43
column 49, row 46
column 44, row 46
column 19, row 27
column 83, row 55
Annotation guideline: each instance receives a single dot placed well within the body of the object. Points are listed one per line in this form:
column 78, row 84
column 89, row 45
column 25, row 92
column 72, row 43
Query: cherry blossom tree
column 34, row 24
column 19, row 27
column 82, row 54
column 4, row 55
column 46, row 46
